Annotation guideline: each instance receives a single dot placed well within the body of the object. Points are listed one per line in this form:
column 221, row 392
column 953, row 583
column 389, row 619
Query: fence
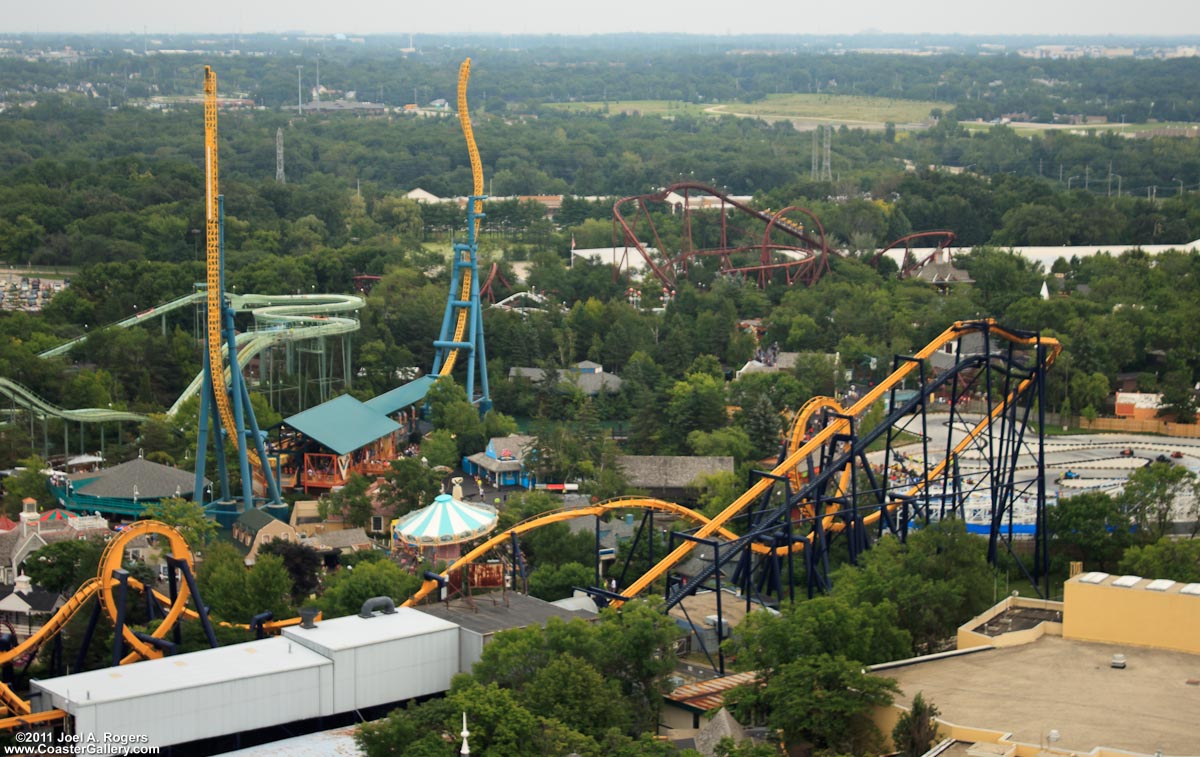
column 1132, row 426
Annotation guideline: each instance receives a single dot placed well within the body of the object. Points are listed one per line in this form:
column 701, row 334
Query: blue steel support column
column 473, row 343
column 235, row 372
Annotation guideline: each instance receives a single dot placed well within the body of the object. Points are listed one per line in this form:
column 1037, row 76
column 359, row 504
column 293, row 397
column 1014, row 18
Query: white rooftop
column 168, row 674
column 352, row 631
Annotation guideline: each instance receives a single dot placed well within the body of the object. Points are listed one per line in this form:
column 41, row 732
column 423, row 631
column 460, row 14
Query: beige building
column 1112, row 670
column 255, row 528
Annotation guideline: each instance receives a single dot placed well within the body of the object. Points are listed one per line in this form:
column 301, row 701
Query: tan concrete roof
column 1068, row 686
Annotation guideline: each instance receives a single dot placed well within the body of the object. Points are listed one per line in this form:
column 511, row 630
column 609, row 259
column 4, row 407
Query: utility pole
column 280, row 178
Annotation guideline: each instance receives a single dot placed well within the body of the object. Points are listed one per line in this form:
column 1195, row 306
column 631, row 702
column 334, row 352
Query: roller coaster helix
column 977, row 388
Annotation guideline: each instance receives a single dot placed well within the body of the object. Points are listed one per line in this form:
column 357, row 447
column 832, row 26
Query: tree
column 440, row 448
column 1090, row 527
column 572, row 691
column 348, row 588
column 937, row 580
column 1154, row 495
column 62, row 566
column 551, row 582
column 30, row 482
column 238, row 593
column 408, row 485
column 1176, row 559
column 351, row 502
column 186, row 517
column 728, row 442
column 824, row 700
column 451, row 410
column 830, row 625
column 303, row 564
column 916, row 730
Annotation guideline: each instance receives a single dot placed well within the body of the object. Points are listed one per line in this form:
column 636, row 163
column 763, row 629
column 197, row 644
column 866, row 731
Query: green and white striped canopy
column 446, row 521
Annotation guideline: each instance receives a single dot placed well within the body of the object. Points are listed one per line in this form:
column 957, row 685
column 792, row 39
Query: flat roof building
column 1113, row 669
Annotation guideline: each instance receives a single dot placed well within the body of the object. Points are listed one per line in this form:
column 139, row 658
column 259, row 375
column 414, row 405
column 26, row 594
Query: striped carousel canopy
column 446, row 521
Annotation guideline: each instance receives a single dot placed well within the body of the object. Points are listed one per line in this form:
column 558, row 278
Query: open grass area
column 837, row 109
column 1029, row 129
column 642, row 107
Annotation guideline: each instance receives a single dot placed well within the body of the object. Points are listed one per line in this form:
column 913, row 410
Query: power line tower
column 280, row 177
column 816, row 151
column 827, row 165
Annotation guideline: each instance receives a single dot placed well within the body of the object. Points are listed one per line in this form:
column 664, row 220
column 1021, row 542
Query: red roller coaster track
column 792, row 252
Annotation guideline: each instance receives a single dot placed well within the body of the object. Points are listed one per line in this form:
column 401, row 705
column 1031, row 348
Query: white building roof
column 351, row 631
column 170, row 674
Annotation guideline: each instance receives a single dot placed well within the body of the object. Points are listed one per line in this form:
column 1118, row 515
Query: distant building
column 254, row 528
column 503, row 462
column 587, row 375
column 1140, row 406
column 25, row 606
column 671, row 476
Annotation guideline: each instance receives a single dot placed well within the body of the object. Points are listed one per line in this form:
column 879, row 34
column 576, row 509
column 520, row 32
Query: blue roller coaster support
column 243, row 413
column 473, row 345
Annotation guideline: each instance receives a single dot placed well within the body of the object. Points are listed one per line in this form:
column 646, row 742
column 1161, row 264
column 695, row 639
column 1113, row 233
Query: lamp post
column 1073, row 178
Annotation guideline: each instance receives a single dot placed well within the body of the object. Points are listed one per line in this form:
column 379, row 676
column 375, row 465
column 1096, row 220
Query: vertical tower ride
column 225, row 412
column 462, row 322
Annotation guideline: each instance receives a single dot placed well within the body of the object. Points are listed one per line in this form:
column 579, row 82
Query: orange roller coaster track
column 812, row 495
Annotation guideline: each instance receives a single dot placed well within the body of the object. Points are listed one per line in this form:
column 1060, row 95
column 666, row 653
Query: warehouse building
column 336, row 666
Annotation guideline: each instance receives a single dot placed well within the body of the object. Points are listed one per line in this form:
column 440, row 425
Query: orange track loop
column 101, row 585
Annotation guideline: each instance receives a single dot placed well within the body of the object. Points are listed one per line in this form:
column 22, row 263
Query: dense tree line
column 522, row 76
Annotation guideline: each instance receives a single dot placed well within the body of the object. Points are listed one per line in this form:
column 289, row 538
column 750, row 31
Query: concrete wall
column 1116, row 615
column 968, row 638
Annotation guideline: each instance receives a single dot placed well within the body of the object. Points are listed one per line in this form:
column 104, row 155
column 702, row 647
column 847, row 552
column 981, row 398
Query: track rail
column 801, row 448
column 101, row 587
column 464, row 294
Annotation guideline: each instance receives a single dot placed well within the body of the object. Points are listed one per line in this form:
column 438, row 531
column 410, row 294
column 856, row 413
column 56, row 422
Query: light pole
column 299, row 90
column 1180, row 186
column 1073, row 178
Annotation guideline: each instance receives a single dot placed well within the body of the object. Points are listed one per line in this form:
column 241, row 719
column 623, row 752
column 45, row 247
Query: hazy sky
column 1154, row 17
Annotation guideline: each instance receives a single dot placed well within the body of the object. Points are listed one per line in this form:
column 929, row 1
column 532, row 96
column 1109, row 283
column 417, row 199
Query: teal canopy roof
column 402, row 396
column 343, row 424
column 446, row 521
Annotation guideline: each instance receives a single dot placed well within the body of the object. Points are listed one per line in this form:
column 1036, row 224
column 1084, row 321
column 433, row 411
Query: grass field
column 1029, row 129
column 837, row 109
column 644, row 107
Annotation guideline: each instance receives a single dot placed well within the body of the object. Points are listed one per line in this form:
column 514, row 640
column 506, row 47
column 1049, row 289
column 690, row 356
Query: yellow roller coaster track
column 101, row 586
column 464, row 292
column 215, row 297
column 799, row 450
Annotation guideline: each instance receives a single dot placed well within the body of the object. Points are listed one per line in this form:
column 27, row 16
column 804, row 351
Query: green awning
column 402, row 396
column 343, row 424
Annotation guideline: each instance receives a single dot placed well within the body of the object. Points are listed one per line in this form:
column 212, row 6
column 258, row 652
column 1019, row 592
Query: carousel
column 437, row 532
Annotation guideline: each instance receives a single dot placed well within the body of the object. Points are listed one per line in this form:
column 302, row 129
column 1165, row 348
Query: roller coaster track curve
column 799, row 449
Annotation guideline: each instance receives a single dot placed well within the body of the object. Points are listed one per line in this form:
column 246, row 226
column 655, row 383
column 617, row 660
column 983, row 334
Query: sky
column 975, row 17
